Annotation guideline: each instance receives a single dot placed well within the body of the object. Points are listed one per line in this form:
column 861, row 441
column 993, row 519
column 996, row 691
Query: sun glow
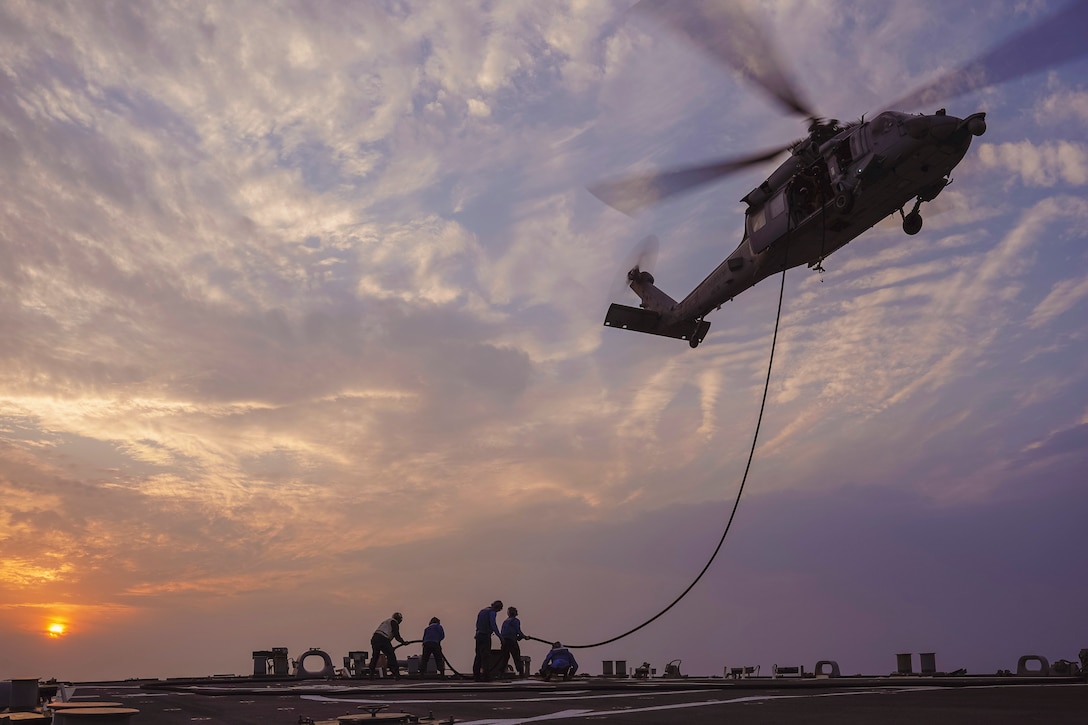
column 56, row 629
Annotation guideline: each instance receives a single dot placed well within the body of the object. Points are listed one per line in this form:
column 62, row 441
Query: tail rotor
column 638, row 263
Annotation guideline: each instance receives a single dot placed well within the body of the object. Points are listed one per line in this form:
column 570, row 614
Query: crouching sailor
column 559, row 662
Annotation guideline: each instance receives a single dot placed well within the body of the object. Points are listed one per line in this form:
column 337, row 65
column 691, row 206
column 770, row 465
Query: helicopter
column 838, row 182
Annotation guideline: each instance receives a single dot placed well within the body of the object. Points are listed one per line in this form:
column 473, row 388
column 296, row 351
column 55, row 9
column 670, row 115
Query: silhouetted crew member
column 485, row 627
column 559, row 662
column 511, row 633
column 382, row 644
column 432, row 647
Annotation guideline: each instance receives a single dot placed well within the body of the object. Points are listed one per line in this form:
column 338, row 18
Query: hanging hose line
column 740, row 491
column 736, row 501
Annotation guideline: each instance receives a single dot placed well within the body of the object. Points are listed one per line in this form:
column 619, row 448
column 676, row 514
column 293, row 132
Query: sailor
column 382, row 644
column 485, row 627
column 432, row 647
column 511, row 633
column 559, row 662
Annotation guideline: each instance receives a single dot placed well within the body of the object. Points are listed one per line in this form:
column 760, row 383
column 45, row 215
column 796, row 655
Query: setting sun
column 56, row 629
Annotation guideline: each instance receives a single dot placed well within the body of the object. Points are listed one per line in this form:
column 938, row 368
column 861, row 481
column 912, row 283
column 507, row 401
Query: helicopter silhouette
column 838, row 181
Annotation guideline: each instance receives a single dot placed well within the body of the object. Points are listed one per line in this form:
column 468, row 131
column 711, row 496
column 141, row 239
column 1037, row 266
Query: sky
column 301, row 308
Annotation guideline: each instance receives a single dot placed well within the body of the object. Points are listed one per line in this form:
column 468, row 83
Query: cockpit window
column 885, row 123
column 777, row 203
column 757, row 220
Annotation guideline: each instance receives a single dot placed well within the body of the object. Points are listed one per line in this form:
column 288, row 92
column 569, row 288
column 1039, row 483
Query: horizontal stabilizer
column 639, row 320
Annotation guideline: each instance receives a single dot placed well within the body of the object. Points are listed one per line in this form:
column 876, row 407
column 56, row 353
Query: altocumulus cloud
column 302, row 324
column 1045, row 164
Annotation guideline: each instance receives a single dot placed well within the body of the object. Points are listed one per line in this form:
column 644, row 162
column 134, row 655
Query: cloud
column 1063, row 443
column 1043, row 164
column 1065, row 295
column 303, row 303
column 1063, row 106
column 478, row 108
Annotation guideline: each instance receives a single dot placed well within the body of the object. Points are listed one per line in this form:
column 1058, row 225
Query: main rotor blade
column 1058, row 39
column 730, row 33
column 633, row 193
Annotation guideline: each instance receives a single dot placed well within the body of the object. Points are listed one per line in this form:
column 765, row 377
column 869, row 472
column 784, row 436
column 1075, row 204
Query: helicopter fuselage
column 837, row 183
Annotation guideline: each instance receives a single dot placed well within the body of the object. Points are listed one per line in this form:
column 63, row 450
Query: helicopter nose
column 939, row 127
column 942, row 127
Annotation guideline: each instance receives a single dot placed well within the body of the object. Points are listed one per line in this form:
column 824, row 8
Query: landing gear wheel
column 844, row 200
column 693, row 343
column 912, row 223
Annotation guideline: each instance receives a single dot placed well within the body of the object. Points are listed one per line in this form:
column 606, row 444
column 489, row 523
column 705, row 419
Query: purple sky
column 302, row 312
